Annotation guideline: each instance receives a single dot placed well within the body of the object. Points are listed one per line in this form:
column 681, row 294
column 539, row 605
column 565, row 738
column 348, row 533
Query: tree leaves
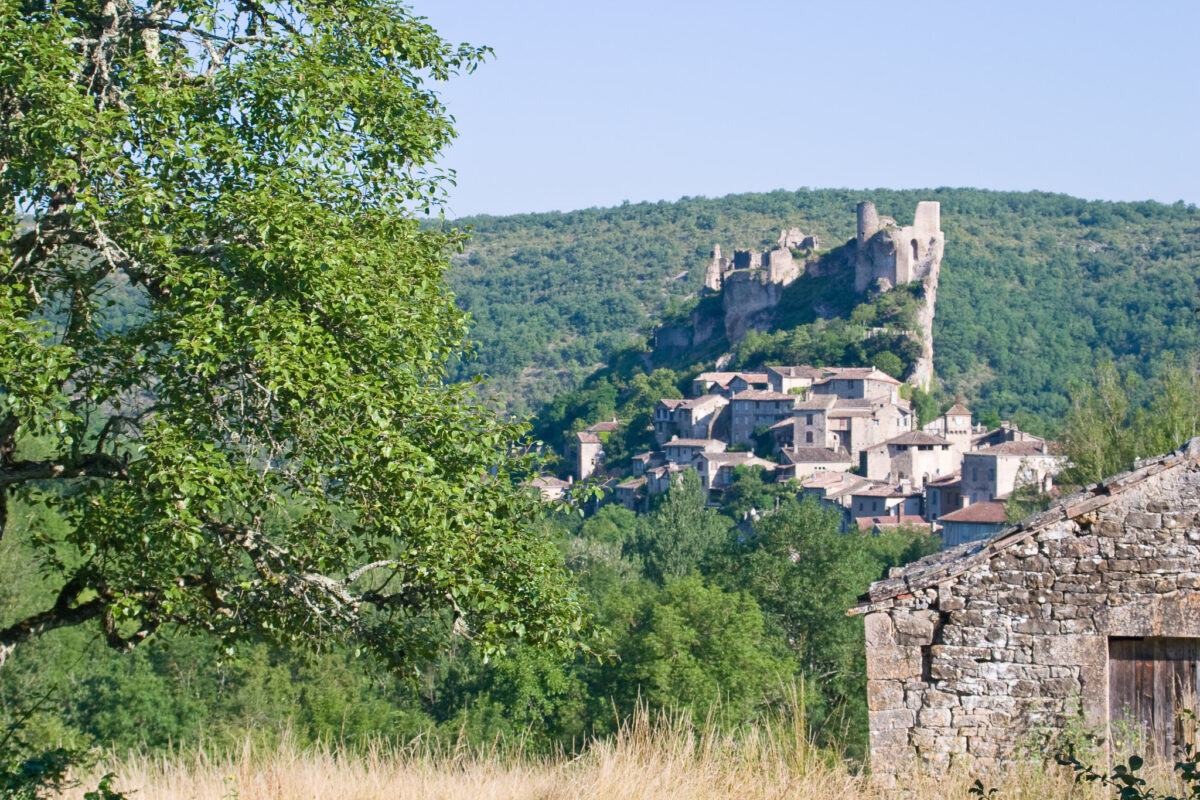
column 277, row 404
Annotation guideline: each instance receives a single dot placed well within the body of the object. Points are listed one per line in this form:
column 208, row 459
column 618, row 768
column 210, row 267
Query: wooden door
column 1150, row 680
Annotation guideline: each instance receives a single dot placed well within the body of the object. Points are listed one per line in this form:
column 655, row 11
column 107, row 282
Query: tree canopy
column 224, row 335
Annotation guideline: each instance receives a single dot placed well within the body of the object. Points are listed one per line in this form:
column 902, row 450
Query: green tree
column 888, row 362
column 680, row 533
column 263, row 445
column 691, row 644
column 1098, row 435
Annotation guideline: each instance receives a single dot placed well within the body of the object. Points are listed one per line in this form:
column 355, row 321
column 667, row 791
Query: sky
column 596, row 103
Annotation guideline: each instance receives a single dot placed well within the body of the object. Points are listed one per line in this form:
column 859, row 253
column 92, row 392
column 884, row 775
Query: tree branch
column 62, row 615
column 93, row 465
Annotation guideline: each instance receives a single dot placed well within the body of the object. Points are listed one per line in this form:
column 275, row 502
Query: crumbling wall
column 1015, row 648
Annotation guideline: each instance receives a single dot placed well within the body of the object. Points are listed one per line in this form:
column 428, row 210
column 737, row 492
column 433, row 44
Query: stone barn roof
column 904, row 582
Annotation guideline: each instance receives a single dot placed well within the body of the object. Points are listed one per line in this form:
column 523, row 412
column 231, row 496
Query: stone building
column 996, row 471
column 889, row 255
column 912, row 456
column 752, row 408
column 956, row 426
column 895, row 255
column 589, row 454
column 804, row 462
column 716, row 469
column 1084, row 613
column 973, row 523
column 691, row 418
column 857, row 383
column 684, row 451
column 789, row 379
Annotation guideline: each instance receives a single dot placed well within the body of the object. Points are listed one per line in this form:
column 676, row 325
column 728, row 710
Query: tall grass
column 652, row 757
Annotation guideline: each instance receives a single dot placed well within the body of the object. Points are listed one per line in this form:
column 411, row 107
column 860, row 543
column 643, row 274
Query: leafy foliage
column 263, row 446
column 1121, row 418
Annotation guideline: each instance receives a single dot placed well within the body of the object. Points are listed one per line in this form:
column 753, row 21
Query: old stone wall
column 1011, row 650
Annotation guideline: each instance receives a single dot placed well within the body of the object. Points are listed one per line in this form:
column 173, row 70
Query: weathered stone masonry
column 973, row 650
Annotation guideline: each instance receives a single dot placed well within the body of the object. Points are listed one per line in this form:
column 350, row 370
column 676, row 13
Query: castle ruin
column 883, row 255
column 888, row 255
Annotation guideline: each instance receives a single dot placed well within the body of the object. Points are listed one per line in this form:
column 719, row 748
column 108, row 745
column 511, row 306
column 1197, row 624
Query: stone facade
column 983, row 648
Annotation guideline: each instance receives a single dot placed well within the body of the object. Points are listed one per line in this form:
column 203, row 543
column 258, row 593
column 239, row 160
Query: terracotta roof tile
column 764, row 394
column 867, row 523
column 824, row 455
column 977, row 512
column 692, row 442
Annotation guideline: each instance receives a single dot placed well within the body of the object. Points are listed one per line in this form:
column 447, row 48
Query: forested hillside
column 1036, row 288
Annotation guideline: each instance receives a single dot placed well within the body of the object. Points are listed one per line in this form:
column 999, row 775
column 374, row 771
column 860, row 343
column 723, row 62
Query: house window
column 991, row 474
column 914, row 250
column 808, row 437
column 808, row 421
column 974, row 473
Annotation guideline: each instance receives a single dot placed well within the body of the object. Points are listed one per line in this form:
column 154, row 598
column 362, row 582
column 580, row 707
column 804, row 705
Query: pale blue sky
column 592, row 103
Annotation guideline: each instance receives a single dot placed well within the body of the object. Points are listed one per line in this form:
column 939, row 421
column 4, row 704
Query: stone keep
column 890, row 255
column 973, row 651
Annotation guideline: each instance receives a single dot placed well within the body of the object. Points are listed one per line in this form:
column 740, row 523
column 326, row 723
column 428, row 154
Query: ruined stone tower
column 888, row 255
column 888, row 252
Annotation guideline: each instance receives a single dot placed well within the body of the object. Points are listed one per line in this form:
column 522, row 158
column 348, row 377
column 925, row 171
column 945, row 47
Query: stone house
column 943, row 495
column 684, row 451
column 716, row 469
column 911, row 457
column 882, row 524
column 808, row 461
column 690, row 418
column 854, row 425
column 728, row 384
column 812, row 421
column 857, row 383
column 631, row 493
column 973, row 523
column 833, row 488
column 752, row 408
column 550, row 487
column 994, row 471
column 783, row 434
column 642, row 462
column 1006, row 432
column 707, row 382
column 700, row 417
column 665, row 418
column 747, row 381
column 1085, row 613
column 956, row 426
column 589, row 454
column 789, row 379
column 659, row 479
column 882, row 500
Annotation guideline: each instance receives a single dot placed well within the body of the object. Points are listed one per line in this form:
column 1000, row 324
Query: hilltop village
column 845, row 435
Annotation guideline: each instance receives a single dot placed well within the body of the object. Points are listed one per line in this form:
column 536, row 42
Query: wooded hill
column 1036, row 288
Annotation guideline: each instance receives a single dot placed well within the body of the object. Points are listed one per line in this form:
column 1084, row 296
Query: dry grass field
column 651, row 759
